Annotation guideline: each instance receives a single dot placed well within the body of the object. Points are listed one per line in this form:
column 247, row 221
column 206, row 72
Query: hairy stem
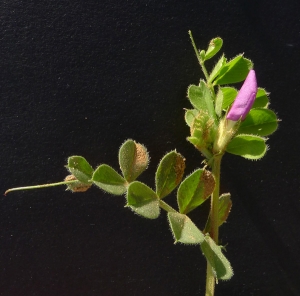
column 201, row 62
column 214, row 218
column 40, row 186
column 166, row 207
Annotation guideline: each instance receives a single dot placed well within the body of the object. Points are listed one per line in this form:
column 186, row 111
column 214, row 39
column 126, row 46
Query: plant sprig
column 221, row 120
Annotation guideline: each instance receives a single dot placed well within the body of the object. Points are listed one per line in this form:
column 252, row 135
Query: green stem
column 201, row 62
column 204, row 70
column 166, row 207
column 214, row 218
column 40, row 186
column 206, row 153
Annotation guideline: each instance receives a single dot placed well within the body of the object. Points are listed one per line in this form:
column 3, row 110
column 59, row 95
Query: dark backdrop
column 80, row 77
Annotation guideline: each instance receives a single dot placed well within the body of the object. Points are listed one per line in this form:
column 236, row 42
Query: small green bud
column 202, row 55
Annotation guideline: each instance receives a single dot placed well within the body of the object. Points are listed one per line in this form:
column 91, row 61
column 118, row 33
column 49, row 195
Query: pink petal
column 244, row 99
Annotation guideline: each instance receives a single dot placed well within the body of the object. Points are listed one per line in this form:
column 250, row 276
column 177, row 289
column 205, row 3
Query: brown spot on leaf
column 142, row 157
column 76, row 186
column 209, row 182
column 179, row 167
column 70, row 178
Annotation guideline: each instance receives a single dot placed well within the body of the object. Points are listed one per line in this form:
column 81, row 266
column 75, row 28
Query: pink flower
column 244, row 99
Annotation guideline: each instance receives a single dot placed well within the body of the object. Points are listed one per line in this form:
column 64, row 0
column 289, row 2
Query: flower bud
column 238, row 111
column 244, row 99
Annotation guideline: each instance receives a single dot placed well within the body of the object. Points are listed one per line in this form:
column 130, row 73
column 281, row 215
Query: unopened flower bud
column 244, row 99
column 238, row 111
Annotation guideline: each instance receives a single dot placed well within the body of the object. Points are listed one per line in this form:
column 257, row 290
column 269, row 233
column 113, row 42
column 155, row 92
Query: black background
column 80, row 77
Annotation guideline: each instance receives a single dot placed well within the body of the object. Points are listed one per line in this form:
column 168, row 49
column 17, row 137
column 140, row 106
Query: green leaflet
column 229, row 95
column 247, row 146
column 217, row 260
column 109, row 180
column 203, row 131
column 143, row 200
column 194, row 190
column 133, row 159
column 80, row 168
column 217, row 68
column 213, row 48
column 190, row 116
column 225, row 205
column 219, row 103
column 261, row 100
column 184, row 230
column 169, row 173
column 201, row 98
column 259, row 121
column 236, row 70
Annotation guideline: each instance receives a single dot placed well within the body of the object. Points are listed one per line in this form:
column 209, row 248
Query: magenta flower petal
column 244, row 99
